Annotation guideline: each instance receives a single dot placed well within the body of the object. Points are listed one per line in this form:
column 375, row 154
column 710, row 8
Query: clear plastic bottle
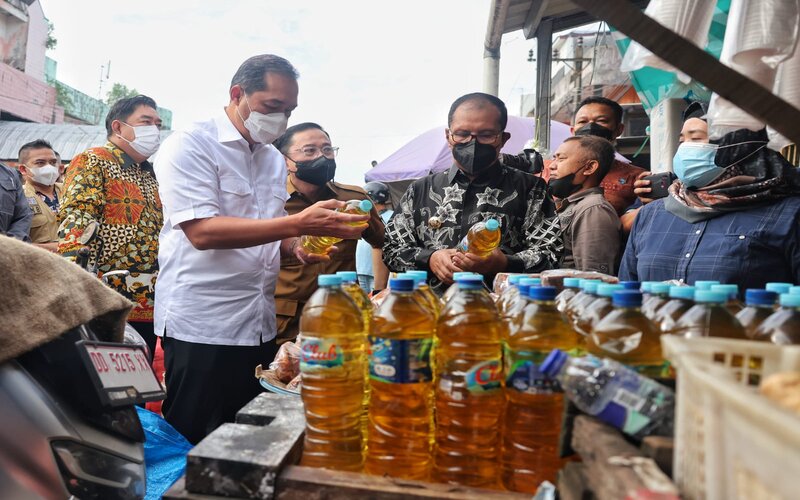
column 681, row 299
column 614, row 393
column 582, row 299
column 481, row 239
column 534, row 402
column 424, row 292
column 778, row 287
column 596, row 310
column 705, row 284
column 321, row 244
column 709, row 317
column 783, row 326
column 468, row 379
column 401, row 399
column 659, row 295
column 733, row 303
column 520, row 300
column 645, row 289
column 452, row 289
column 572, row 286
column 509, row 294
column 333, row 366
column 760, row 306
column 354, row 291
column 626, row 335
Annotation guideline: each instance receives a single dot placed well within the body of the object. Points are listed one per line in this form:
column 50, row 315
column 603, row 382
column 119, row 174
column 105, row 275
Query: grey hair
column 250, row 75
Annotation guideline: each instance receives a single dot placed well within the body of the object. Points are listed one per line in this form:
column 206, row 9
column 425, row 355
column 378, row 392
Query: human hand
column 305, row 257
column 321, row 219
column 495, row 262
column 441, row 264
column 641, row 187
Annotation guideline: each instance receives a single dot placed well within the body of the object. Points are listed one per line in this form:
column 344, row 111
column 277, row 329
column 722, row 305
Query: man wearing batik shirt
column 438, row 210
column 115, row 186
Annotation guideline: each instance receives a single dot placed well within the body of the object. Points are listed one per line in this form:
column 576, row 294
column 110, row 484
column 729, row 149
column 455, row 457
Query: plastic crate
column 730, row 441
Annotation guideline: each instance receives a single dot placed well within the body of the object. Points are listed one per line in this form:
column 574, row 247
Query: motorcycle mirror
column 90, row 232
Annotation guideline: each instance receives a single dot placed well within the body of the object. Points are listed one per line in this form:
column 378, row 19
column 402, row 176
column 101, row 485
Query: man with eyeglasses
column 311, row 163
column 437, row 211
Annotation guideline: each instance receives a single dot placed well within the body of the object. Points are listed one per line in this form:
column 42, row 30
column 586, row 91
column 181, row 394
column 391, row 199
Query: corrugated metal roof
column 68, row 139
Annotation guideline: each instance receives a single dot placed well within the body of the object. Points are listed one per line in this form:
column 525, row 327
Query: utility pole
column 107, row 69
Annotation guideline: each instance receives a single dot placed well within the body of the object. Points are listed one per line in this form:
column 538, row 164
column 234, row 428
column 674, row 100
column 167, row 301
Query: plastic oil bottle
column 481, row 239
column 517, row 303
column 597, row 309
column 626, row 335
column 452, row 289
column 681, row 299
column 510, row 293
column 332, row 362
column 534, row 401
column 760, row 304
column 709, row 318
column 783, row 326
column 582, row 299
column 321, row 244
column 572, row 286
column 401, row 399
column 424, row 291
column 468, row 379
column 733, row 303
column 354, row 291
column 659, row 295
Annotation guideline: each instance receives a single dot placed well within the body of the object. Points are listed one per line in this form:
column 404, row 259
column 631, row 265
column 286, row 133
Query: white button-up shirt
column 222, row 297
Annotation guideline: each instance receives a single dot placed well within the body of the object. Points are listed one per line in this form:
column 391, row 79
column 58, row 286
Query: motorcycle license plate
column 121, row 373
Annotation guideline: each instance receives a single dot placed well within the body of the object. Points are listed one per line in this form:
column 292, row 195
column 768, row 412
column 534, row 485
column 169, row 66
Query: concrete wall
column 13, row 34
column 28, row 98
column 37, row 38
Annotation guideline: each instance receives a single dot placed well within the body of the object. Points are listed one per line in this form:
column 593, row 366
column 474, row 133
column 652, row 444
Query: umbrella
column 429, row 153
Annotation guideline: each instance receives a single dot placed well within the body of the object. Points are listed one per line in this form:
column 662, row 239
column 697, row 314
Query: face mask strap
column 748, row 156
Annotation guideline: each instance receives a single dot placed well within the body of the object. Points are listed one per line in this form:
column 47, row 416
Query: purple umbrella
column 428, row 152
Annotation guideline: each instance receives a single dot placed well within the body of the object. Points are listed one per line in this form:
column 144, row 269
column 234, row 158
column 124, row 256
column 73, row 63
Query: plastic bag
column 286, row 364
column 165, row 451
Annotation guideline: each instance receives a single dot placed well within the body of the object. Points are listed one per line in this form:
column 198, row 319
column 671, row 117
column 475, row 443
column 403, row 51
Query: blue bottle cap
column 530, row 281
column 553, row 362
column 790, row 300
column 348, row 276
column 705, row 284
column 418, row 280
column 542, row 293
column 470, row 282
column 778, row 288
column 608, row 289
column 646, row 286
column 458, row 274
column 492, row 225
column 682, row 292
column 660, row 288
column 755, row 297
column 731, row 290
column 416, row 272
column 402, row 284
column 329, row 280
column 709, row 297
column 585, row 283
column 631, row 285
column 514, row 279
column 795, row 290
column 627, row 298
column 591, row 286
column 572, row 282
column 365, row 205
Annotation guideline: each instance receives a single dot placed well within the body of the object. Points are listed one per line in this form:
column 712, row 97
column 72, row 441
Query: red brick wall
column 27, row 97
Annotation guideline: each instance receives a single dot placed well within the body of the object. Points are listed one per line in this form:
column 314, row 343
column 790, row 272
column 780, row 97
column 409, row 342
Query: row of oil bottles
column 468, row 390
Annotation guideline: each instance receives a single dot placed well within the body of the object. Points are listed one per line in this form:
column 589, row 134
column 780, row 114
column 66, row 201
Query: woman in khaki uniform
column 41, row 168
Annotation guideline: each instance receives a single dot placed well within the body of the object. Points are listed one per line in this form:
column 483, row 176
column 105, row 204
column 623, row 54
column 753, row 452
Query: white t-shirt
column 222, row 297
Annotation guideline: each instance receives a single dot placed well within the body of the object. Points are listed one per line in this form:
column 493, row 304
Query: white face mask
column 264, row 128
column 146, row 139
column 46, row 176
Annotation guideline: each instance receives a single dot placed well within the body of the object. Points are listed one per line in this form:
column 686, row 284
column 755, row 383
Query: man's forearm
column 216, row 233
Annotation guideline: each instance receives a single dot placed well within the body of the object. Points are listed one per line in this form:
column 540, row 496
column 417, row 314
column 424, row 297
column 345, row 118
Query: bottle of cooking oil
column 681, row 299
column 452, row 289
column 596, row 310
column 760, row 306
column 659, row 295
column 332, row 362
column 424, row 291
column 628, row 336
column 468, row 379
column 511, row 292
column 709, row 317
column 534, row 401
column 733, row 303
column 321, row 244
column 582, row 299
column 401, row 399
column 783, row 326
column 572, row 286
column 778, row 287
column 481, row 239
column 518, row 302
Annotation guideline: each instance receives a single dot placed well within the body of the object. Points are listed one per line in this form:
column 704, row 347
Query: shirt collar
column 330, row 186
column 122, row 157
column 226, row 131
column 576, row 197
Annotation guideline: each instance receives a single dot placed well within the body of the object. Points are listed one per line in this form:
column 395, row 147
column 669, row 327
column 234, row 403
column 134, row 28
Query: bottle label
column 484, row 377
column 400, row 361
column 523, row 375
column 633, row 405
column 317, row 354
column 463, row 245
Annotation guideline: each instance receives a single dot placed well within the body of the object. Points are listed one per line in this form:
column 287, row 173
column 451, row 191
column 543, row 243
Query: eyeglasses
column 315, row 152
column 462, row 137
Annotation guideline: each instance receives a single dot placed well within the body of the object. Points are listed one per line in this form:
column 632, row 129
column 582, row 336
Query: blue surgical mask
column 694, row 164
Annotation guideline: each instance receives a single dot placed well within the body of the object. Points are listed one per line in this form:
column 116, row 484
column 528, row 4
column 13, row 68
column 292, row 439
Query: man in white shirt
column 223, row 187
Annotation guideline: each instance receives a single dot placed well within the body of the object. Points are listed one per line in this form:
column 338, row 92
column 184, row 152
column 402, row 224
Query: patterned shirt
column 437, row 211
column 106, row 185
column 749, row 247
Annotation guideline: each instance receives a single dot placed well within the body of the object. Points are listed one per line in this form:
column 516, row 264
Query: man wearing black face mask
column 311, row 163
column 438, row 210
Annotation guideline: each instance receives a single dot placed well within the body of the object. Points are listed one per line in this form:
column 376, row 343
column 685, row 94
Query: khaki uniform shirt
column 592, row 232
column 44, row 226
column 296, row 281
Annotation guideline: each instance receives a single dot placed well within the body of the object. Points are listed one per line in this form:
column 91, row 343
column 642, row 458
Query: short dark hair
column 283, row 142
column 22, row 156
column 124, row 108
column 250, row 75
column 596, row 99
column 480, row 97
column 598, row 149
